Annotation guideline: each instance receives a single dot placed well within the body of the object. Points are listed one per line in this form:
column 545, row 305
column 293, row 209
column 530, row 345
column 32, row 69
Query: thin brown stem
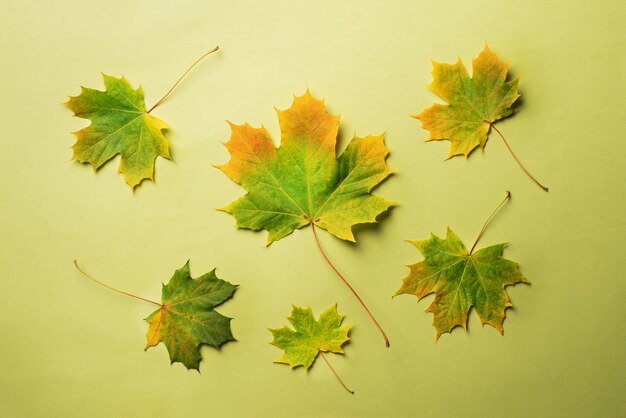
column 319, row 246
column 480, row 234
column 545, row 189
column 336, row 375
column 112, row 288
column 181, row 78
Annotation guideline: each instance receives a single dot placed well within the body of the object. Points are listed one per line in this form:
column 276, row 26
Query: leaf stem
column 319, row 246
column 181, row 78
column 336, row 375
column 545, row 189
column 480, row 234
column 112, row 288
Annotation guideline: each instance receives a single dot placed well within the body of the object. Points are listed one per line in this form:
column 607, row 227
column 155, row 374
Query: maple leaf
column 302, row 182
column 310, row 337
column 461, row 280
column 474, row 103
column 119, row 125
column 187, row 317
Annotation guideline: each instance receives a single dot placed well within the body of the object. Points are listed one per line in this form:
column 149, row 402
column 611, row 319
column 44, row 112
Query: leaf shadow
column 342, row 140
column 369, row 230
column 520, row 103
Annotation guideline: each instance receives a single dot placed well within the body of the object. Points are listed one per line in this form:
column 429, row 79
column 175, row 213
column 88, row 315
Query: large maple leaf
column 474, row 103
column 121, row 125
column 461, row 280
column 186, row 317
column 302, row 182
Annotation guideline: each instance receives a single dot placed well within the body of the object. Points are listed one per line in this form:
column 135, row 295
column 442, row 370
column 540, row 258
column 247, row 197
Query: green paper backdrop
column 72, row 348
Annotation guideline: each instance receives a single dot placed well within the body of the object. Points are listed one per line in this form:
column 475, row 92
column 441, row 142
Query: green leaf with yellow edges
column 119, row 125
column 474, row 103
column 303, row 182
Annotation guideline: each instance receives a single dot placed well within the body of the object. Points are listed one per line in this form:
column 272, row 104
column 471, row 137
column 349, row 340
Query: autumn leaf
column 302, row 182
column 474, row 104
column 461, row 280
column 310, row 337
column 186, row 317
column 121, row 125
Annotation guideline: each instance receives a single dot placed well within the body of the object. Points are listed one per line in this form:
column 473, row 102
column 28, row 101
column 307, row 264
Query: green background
column 72, row 348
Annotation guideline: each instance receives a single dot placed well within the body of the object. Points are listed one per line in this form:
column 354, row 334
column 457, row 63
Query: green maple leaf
column 474, row 103
column 119, row 125
column 309, row 337
column 187, row 317
column 302, row 182
column 461, row 280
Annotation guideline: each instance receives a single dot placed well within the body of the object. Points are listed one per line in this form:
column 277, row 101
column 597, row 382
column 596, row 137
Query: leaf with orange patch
column 187, row 317
column 302, row 182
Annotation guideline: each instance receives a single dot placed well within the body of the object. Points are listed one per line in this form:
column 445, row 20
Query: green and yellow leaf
column 461, row 281
column 302, row 181
column 119, row 125
column 473, row 103
column 187, row 317
column 309, row 336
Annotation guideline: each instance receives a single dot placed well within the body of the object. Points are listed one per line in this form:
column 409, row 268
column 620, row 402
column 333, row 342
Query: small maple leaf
column 474, row 103
column 187, row 317
column 302, row 182
column 461, row 280
column 310, row 337
column 119, row 125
